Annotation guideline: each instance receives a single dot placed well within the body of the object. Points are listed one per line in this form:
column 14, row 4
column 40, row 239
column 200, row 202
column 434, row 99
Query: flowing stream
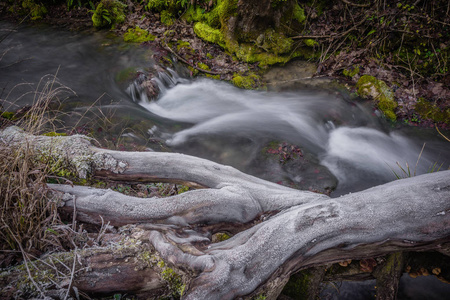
column 342, row 139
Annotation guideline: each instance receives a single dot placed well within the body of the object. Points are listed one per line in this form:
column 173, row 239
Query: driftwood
column 278, row 231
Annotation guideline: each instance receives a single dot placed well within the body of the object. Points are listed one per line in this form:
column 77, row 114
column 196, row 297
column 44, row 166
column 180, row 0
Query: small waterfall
column 147, row 87
column 346, row 137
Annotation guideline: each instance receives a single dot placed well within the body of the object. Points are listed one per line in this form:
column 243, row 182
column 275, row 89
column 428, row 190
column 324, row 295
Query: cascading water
column 213, row 119
column 345, row 136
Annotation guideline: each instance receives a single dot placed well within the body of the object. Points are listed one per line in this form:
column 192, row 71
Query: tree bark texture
column 279, row 231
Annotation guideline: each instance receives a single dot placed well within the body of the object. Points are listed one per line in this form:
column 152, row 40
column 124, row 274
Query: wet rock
column 297, row 75
column 289, row 165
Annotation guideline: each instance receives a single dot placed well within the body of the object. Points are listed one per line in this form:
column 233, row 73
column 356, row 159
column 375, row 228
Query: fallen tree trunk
column 281, row 230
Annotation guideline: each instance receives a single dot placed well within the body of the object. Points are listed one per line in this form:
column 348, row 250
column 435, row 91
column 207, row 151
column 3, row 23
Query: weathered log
column 307, row 230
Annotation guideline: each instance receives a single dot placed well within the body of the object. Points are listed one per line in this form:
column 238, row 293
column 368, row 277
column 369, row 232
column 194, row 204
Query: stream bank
column 401, row 93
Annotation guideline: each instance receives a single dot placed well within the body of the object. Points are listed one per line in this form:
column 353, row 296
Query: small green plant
column 406, row 171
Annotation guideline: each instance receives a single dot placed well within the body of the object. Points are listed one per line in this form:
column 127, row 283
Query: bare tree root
column 279, row 231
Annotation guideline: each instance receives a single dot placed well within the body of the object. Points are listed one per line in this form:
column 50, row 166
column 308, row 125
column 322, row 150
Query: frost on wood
column 278, row 230
column 67, row 152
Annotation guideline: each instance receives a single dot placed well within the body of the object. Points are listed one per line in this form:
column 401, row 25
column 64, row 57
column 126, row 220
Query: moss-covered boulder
column 108, row 13
column 248, row 82
column 254, row 31
column 36, row 10
column 369, row 86
column 209, row 34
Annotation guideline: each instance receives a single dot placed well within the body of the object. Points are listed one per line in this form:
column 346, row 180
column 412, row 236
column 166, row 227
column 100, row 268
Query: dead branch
column 286, row 230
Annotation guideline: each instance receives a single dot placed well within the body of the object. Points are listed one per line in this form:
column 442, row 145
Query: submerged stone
column 289, row 165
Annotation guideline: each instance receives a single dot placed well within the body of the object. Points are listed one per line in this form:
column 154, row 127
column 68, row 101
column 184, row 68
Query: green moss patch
column 310, row 42
column 299, row 14
column 138, row 35
column 37, row 11
column 430, row 111
column 248, row 82
column 209, row 34
column 369, row 86
column 109, row 13
column 8, row 115
column 351, row 72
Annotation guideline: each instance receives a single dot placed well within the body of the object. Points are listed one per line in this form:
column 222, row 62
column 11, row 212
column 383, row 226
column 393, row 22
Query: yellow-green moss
column 194, row 14
column 222, row 236
column 173, row 279
column 264, row 58
column 377, row 89
column 182, row 189
column 109, row 13
column 430, row 111
column 310, row 42
column 138, row 35
column 246, row 82
column 8, row 115
column 299, row 14
column 226, row 9
column 216, row 77
column 183, row 44
column 36, row 11
column 209, row 34
column 275, row 42
column 157, row 5
column 52, row 133
column 167, row 18
column 203, row 66
column 351, row 72
column 175, row 282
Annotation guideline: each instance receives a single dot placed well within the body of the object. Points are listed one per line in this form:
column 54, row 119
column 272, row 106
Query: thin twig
column 427, row 17
column 355, row 4
column 72, row 272
column 435, row 125
column 312, row 37
column 74, row 216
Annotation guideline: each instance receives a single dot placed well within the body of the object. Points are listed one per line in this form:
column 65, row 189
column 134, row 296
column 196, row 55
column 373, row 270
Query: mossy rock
column 157, row 5
column 109, row 13
column 369, row 86
column 430, row 111
column 248, row 82
column 209, row 34
column 36, row 11
column 198, row 14
column 138, row 35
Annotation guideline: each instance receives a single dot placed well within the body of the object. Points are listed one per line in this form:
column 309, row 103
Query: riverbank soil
column 396, row 54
